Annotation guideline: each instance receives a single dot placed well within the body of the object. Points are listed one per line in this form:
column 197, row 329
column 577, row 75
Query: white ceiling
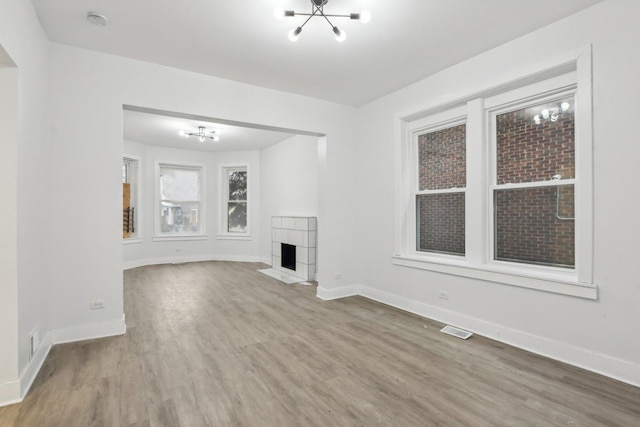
column 241, row 40
column 163, row 130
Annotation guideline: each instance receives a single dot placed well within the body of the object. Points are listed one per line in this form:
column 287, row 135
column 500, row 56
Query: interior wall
column 27, row 151
column 88, row 92
column 580, row 331
column 289, row 179
column 145, row 251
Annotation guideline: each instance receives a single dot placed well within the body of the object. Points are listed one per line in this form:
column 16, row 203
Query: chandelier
column 202, row 134
column 317, row 10
column 551, row 114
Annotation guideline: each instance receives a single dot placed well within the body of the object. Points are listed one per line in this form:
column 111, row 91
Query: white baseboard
column 337, row 293
column 90, row 331
column 10, row 393
column 189, row 258
column 266, row 260
column 15, row 391
column 621, row 370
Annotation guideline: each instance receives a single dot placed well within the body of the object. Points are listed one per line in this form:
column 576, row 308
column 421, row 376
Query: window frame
column 159, row 236
column 137, row 234
column 444, row 120
column 223, row 191
column 549, row 77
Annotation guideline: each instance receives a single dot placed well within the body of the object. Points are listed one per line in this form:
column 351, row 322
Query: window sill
column 233, row 237
column 132, row 240
column 173, row 238
column 565, row 284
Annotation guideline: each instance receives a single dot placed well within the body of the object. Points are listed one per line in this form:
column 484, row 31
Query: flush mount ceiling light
column 317, row 10
column 202, row 134
column 97, row 19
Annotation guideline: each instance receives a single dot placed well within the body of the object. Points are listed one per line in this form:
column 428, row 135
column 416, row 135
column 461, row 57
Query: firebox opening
column 288, row 256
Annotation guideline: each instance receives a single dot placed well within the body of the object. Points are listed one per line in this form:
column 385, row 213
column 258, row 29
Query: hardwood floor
column 217, row 343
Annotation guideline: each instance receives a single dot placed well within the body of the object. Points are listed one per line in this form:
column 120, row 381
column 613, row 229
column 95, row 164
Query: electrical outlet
column 34, row 340
column 443, row 295
column 338, row 276
column 97, row 305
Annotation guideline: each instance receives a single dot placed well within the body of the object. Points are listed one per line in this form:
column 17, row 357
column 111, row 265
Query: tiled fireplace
column 294, row 242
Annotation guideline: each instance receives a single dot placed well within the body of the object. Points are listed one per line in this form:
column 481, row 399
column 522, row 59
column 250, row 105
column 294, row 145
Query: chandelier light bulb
column 545, row 114
column 182, row 133
column 340, row 35
column 536, row 119
column 215, row 138
column 365, row 16
column 294, row 34
column 564, row 106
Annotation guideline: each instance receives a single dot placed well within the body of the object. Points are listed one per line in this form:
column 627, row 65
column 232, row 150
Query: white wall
column 289, row 181
column 26, row 272
column 583, row 332
column 146, row 251
column 88, row 92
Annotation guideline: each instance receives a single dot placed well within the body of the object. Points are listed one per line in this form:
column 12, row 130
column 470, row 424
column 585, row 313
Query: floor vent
column 460, row 333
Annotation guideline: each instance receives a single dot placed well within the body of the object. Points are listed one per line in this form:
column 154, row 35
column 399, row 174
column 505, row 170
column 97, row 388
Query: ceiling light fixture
column 317, row 9
column 551, row 114
column 202, row 134
column 97, row 19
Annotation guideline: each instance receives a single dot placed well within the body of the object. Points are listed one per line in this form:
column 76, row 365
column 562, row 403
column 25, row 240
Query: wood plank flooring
column 219, row 344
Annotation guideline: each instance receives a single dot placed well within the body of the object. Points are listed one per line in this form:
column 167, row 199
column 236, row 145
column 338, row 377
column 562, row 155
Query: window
column 533, row 188
column 440, row 198
column 234, row 201
column 130, row 190
column 180, row 203
column 498, row 186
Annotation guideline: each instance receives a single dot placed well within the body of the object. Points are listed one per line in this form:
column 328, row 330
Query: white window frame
column 136, row 237
column 453, row 117
column 202, row 235
column 223, row 191
column 571, row 71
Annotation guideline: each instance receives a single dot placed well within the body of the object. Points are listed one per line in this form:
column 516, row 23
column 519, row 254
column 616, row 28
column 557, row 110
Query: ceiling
column 163, row 129
column 241, row 40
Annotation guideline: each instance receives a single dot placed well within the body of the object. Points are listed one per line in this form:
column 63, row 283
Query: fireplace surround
column 299, row 234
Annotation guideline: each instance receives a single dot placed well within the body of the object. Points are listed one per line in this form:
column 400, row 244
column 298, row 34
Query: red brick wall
column 529, row 152
column 527, row 229
column 441, row 223
column 442, row 158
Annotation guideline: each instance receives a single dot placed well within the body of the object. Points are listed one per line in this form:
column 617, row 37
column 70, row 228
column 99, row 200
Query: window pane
column 442, row 159
column 535, row 225
column 237, row 185
column 536, row 143
column 178, row 184
column 237, row 217
column 180, row 217
column 440, row 222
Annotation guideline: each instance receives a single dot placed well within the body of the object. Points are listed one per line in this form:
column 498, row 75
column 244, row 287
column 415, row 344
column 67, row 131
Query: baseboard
column 15, row 391
column 189, row 258
column 337, row 293
column 618, row 369
column 90, row 331
column 10, row 393
column 266, row 260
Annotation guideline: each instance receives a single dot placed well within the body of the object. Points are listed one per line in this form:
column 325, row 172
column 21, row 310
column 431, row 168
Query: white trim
column 619, row 369
column 179, row 237
column 10, row 393
column 563, row 74
column 90, row 331
column 553, row 282
column 337, row 293
column 132, row 241
column 234, row 237
column 189, row 258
